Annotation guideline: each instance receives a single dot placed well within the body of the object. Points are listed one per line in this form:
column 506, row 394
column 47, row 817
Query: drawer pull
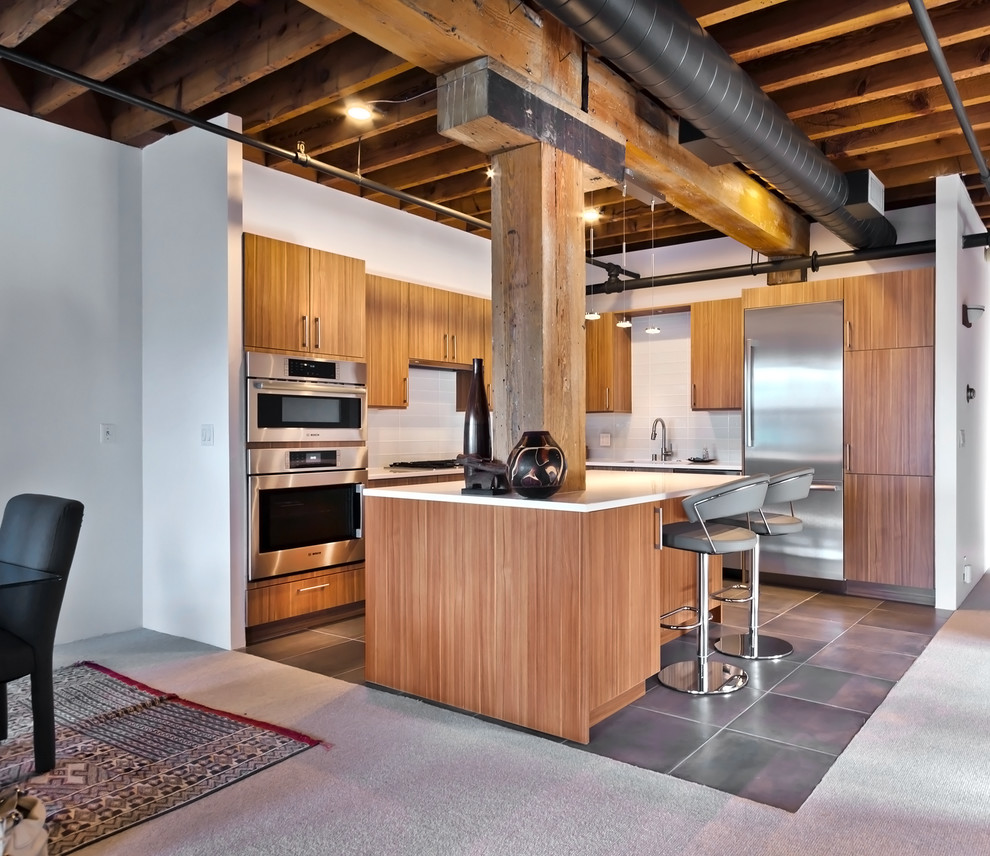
column 311, row 588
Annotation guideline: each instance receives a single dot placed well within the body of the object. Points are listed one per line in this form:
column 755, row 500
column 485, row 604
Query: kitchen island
column 541, row 613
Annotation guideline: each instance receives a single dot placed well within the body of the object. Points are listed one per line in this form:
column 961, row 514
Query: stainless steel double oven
column 307, row 463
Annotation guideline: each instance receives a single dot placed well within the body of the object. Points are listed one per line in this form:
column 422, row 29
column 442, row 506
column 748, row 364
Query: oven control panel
column 274, row 461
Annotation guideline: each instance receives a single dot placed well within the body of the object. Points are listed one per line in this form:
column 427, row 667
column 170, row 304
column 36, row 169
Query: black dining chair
column 37, row 532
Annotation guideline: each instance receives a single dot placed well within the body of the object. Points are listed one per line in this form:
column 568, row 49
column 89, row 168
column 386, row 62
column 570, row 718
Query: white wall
column 194, row 495
column 70, row 326
column 393, row 243
column 961, row 478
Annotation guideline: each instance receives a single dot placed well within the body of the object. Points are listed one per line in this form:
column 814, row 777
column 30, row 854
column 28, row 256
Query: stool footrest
column 725, row 598
column 692, row 609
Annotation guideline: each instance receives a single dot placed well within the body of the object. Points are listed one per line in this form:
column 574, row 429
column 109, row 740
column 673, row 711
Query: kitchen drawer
column 301, row 594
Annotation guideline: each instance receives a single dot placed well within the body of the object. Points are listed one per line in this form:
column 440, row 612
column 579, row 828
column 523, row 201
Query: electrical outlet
column 108, row 432
column 604, row 439
column 206, row 434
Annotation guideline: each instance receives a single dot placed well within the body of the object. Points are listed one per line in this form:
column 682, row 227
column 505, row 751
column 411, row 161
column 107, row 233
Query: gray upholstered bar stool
column 785, row 487
column 704, row 534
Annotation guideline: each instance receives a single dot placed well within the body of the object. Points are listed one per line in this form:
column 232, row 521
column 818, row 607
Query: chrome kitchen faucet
column 665, row 450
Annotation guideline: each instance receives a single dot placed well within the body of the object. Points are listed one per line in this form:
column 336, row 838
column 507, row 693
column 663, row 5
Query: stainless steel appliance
column 306, row 508
column 295, row 400
column 793, row 418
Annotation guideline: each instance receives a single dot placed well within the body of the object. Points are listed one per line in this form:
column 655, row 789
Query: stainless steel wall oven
column 306, row 508
column 298, row 400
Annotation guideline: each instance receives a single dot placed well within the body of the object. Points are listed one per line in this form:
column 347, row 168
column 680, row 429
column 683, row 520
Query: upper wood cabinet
column 717, row 354
column 890, row 310
column 388, row 342
column 301, row 300
column 608, row 366
column 447, row 328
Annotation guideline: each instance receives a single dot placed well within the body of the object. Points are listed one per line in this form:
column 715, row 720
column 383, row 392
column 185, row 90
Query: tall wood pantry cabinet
column 717, row 354
column 608, row 366
column 301, row 300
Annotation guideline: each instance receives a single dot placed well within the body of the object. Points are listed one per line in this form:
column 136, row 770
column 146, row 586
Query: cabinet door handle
column 305, row 343
column 445, row 346
column 453, row 339
column 312, row 588
column 658, row 528
column 694, row 394
column 316, row 321
column 405, row 390
column 748, row 394
column 606, row 398
column 849, row 335
column 847, row 457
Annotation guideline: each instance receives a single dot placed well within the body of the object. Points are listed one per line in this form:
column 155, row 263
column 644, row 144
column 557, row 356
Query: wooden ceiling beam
column 803, row 22
column 438, row 35
column 930, row 151
column 106, row 45
column 20, row 19
column 895, row 40
column 11, row 94
column 264, row 39
column 327, row 129
column 391, row 149
column 443, row 164
column 336, row 72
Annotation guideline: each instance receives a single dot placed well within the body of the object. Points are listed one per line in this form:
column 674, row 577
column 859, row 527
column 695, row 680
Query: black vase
column 477, row 417
column 536, row 465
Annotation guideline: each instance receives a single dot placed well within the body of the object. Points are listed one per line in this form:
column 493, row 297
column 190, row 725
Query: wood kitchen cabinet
column 387, row 302
column 282, row 598
column 890, row 310
column 717, row 354
column 608, row 366
column 301, row 300
column 447, row 328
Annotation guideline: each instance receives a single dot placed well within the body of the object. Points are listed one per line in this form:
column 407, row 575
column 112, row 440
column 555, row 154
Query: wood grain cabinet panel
column 889, row 530
column 281, row 598
column 608, row 366
column 388, row 342
column 889, row 411
column 890, row 310
column 447, row 328
column 717, row 354
column 304, row 301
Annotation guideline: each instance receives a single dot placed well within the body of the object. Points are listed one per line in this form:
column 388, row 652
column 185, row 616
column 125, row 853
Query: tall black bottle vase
column 477, row 417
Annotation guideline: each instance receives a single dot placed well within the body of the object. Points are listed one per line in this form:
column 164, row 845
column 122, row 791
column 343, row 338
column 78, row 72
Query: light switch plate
column 206, row 434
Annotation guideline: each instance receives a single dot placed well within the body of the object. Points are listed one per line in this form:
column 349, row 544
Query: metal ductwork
column 664, row 50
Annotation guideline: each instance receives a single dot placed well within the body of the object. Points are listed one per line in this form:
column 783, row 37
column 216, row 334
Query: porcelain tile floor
column 773, row 740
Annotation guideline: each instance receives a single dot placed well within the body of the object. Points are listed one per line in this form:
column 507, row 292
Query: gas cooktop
column 447, row 464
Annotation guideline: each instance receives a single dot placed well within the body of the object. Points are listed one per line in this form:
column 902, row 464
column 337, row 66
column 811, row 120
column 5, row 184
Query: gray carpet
column 404, row 777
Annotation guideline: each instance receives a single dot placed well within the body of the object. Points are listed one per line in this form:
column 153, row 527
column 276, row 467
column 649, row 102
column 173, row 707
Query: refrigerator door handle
column 748, row 393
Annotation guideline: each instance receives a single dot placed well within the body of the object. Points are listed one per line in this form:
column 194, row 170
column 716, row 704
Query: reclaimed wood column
column 538, row 282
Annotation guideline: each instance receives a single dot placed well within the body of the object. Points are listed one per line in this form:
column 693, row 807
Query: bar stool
column 703, row 533
column 783, row 487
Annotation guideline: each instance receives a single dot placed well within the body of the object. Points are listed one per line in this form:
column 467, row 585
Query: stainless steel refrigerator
column 792, row 417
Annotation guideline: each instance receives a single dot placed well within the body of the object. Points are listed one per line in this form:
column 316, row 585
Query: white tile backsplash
column 661, row 387
column 430, row 427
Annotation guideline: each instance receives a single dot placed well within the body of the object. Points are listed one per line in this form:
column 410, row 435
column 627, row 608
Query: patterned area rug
column 127, row 752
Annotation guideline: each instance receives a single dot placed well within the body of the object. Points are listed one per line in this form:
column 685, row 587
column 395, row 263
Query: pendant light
column 591, row 315
column 652, row 329
column 624, row 320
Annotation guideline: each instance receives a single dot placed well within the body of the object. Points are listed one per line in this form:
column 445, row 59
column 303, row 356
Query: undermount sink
column 651, row 461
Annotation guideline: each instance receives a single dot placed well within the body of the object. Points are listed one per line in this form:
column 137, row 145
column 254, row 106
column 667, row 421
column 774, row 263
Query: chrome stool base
column 710, row 678
column 753, row 646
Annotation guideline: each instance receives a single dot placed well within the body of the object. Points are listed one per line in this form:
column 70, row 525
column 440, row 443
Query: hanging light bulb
column 624, row 320
column 591, row 315
column 652, row 329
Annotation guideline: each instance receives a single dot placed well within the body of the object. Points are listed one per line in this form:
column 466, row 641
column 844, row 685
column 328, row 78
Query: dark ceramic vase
column 536, row 465
column 477, row 417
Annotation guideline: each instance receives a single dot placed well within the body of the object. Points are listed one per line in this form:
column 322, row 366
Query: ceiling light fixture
column 970, row 314
column 592, row 215
column 591, row 315
column 624, row 320
column 359, row 112
column 490, row 172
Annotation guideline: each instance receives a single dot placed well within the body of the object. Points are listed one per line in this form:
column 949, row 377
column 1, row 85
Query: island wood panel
column 539, row 624
column 402, row 614
column 280, row 598
column 889, row 530
column 788, row 294
column 621, row 602
column 888, row 417
column 890, row 310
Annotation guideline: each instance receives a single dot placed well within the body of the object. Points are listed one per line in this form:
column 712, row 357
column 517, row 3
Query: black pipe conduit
column 664, row 50
column 814, row 261
column 299, row 157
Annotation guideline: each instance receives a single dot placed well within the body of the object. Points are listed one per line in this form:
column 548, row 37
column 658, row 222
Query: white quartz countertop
column 645, row 464
column 603, row 489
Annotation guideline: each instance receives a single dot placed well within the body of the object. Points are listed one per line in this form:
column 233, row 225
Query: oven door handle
column 359, row 510
column 304, row 386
